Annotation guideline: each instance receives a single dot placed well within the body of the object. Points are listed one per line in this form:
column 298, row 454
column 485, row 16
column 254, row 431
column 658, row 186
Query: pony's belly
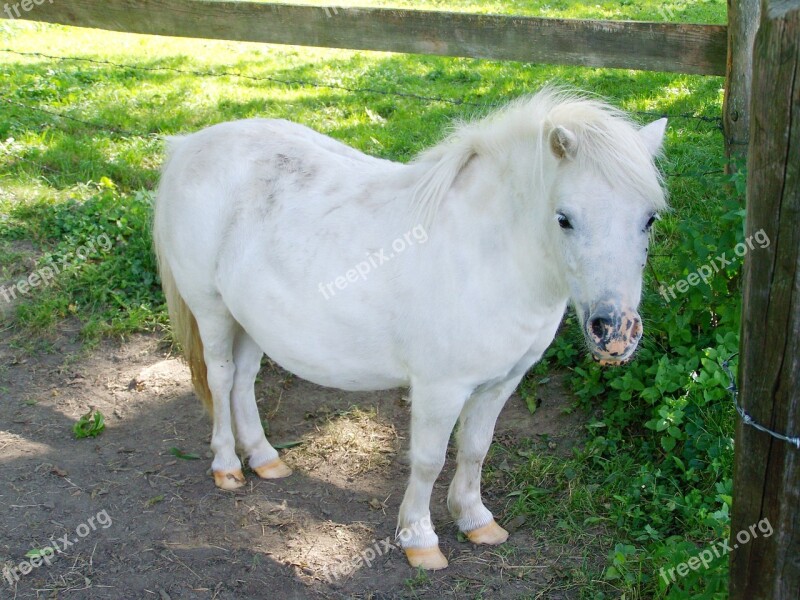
column 347, row 358
column 351, row 380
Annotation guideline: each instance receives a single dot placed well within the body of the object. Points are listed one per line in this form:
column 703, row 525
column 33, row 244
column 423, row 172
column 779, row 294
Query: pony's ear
column 563, row 142
column 652, row 136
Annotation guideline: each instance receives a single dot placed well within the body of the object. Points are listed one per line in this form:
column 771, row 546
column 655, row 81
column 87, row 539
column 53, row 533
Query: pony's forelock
column 608, row 146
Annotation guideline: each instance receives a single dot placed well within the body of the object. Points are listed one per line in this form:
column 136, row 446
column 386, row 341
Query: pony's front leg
column 434, row 411
column 476, row 427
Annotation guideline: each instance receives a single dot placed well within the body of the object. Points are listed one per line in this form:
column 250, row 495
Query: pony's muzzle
column 612, row 334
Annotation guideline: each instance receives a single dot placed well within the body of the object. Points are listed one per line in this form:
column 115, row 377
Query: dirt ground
column 141, row 522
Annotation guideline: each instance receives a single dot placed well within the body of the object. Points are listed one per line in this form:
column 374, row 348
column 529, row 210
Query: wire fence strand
column 322, row 85
column 744, row 415
column 109, row 129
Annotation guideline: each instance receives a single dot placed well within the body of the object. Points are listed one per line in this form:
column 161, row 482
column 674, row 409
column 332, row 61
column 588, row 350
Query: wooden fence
column 675, row 47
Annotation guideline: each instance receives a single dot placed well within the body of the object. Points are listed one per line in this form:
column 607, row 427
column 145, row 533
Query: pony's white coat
column 252, row 216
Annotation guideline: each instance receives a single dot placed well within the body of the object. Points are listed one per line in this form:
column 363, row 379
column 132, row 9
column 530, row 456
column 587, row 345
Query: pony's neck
column 503, row 198
column 526, row 173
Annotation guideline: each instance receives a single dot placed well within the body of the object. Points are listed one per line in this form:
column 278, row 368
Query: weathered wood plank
column 743, row 20
column 683, row 48
column 767, row 470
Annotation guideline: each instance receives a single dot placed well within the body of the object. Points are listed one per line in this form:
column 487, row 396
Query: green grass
column 652, row 484
column 113, row 119
column 696, row 11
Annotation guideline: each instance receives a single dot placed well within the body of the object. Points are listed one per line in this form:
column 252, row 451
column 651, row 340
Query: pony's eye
column 650, row 222
column 563, row 222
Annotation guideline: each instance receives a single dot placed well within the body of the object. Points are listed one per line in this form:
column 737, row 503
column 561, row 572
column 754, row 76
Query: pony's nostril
column 600, row 327
column 636, row 330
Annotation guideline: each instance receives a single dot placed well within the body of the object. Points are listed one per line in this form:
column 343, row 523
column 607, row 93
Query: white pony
column 449, row 275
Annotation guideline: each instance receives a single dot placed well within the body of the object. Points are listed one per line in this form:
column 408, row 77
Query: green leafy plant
column 89, row 425
column 660, row 441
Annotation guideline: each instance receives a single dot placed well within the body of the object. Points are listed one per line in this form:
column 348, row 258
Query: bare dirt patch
column 173, row 535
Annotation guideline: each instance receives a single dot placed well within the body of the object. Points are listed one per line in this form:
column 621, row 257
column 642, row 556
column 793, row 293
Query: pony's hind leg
column 263, row 458
column 434, row 411
column 476, row 427
column 217, row 330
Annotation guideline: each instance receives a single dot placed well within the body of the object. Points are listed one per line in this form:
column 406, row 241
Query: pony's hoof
column 229, row 480
column 273, row 470
column 491, row 533
column 430, row 559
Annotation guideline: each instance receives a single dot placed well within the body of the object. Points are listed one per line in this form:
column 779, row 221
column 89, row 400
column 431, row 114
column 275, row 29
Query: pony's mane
column 608, row 146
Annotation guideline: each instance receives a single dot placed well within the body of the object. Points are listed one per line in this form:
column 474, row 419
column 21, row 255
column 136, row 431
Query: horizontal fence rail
column 674, row 47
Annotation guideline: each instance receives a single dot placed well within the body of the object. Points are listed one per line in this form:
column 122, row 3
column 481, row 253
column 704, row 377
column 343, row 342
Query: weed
column 91, row 425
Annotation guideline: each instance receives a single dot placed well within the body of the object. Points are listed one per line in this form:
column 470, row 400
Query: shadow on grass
column 150, row 102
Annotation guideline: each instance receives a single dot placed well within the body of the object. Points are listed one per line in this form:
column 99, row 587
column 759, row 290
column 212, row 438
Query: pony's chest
column 505, row 340
column 486, row 345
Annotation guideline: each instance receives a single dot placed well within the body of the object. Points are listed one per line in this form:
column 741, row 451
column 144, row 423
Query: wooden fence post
column 743, row 19
column 767, row 470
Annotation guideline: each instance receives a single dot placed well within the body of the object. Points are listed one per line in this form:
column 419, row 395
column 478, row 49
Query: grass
column 355, row 440
column 701, row 11
column 81, row 142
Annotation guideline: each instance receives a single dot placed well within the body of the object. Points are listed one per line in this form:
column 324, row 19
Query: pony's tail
column 185, row 333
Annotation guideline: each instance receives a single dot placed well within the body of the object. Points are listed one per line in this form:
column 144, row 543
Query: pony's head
column 605, row 197
column 591, row 189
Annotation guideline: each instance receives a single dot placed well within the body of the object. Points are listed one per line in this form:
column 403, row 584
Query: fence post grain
column 743, row 19
column 767, row 470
